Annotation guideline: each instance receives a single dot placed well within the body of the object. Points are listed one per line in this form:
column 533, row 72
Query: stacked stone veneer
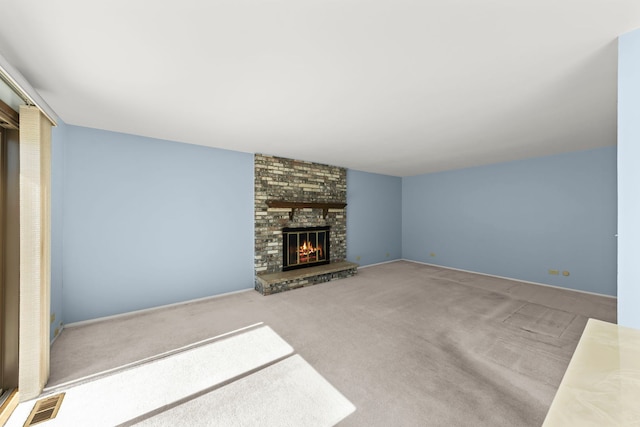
column 290, row 180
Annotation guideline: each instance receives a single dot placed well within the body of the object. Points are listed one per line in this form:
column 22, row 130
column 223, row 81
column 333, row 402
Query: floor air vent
column 44, row 410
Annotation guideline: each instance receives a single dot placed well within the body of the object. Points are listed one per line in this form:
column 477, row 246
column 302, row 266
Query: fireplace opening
column 305, row 247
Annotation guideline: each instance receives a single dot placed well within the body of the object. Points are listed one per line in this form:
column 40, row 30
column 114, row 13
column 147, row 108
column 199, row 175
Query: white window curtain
column 35, row 121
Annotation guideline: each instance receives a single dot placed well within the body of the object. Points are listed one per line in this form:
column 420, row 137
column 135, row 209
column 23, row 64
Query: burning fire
column 307, row 251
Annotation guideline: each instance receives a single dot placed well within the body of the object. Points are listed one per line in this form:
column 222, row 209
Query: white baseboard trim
column 59, row 332
column 379, row 263
column 511, row 278
column 146, row 310
column 151, row 309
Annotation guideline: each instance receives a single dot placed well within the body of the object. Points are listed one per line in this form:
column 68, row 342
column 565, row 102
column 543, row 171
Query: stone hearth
column 277, row 282
column 305, row 186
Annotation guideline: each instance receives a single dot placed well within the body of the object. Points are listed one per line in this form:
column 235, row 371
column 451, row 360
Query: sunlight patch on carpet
column 288, row 393
column 128, row 394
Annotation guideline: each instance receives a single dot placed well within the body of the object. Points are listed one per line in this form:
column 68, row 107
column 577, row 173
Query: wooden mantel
column 325, row 206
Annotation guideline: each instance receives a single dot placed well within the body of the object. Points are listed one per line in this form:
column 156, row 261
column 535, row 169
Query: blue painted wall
column 519, row 219
column 149, row 222
column 629, row 179
column 57, row 169
column 374, row 217
column 139, row 222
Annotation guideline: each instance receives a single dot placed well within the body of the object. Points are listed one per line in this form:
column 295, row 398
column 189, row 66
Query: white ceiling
column 396, row 87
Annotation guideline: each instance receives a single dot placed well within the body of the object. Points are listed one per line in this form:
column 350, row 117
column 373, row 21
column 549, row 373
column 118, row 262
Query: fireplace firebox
column 305, row 247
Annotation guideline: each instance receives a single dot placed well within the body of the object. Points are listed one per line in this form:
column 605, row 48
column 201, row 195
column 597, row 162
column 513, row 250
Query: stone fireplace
column 300, row 224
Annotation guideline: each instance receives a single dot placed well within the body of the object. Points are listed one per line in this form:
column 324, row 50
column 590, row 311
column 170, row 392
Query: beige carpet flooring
column 407, row 344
